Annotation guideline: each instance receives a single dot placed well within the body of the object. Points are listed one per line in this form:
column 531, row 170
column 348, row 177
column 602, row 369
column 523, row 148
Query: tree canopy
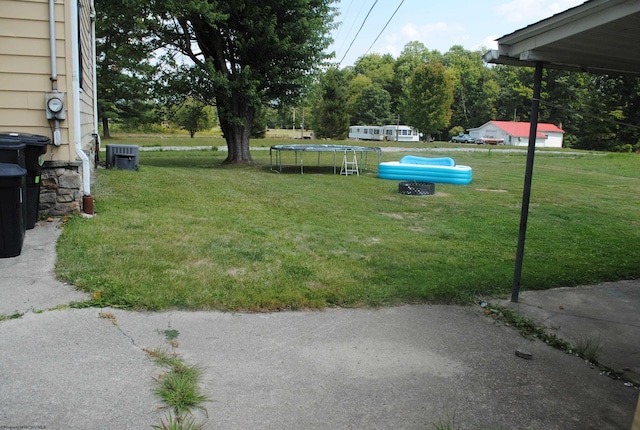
column 330, row 119
column 426, row 103
column 124, row 49
column 245, row 54
column 257, row 63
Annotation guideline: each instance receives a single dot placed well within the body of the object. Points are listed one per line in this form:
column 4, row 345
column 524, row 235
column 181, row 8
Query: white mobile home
column 395, row 133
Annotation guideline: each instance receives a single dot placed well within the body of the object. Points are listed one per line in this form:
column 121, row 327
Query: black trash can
column 35, row 146
column 12, row 221
column 13, row 152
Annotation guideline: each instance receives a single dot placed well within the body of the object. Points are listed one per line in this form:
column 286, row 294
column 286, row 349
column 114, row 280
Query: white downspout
column 52, row 45
column 75, row 87
column 95, row 67
column 57, row 136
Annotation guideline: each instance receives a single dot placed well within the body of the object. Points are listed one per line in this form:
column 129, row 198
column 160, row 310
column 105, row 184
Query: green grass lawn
column 186, row 232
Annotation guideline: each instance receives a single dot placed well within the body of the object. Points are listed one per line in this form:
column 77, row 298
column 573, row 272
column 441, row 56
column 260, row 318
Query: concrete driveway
column 408, row 367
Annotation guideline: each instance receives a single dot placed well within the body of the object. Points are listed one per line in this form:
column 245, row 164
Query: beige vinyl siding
column 25, row 47
column 24, row 82
column 10, row 65
column 25, row 70
column 25, row 66
column 29, row 27
column 26, row 10
column 86, row 56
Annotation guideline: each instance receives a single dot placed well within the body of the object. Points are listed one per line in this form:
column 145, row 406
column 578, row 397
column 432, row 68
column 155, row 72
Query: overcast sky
column 438, row 24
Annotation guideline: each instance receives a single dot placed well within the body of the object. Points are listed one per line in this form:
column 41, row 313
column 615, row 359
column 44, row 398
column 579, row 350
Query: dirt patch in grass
column 492, row 191
column 237, row 271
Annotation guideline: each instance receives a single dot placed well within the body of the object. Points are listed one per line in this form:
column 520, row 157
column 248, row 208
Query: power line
column 356, row 36
column 353, row 23
column 346, row 14
column 384, row 28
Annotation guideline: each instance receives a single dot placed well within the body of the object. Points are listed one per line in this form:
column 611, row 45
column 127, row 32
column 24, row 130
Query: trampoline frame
column 302, row 148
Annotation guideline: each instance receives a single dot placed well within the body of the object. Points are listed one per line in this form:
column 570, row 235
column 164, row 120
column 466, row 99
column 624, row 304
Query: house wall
column 524, row 141
column 26, row 67
column 87, row 119
column 554, row 140
column 25, row 77
column 490, row 130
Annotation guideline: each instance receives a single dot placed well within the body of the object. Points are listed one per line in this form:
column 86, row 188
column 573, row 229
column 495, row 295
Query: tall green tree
column 475, row 89
column 516, row 90
column 246, row 54
column 330, row 118
column 427, row 99
column 124, row 49
column 566, row 94
column 371, row 107
column 413, row 55
column 194, row 116
column 379, row 68
column 630, row 130
column 606, row 113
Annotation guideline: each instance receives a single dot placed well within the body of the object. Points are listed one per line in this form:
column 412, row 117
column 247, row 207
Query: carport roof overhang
column 598, row 36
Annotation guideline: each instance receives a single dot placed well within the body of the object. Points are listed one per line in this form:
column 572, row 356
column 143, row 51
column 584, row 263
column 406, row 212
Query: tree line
column 162, row 60
column 443, row 94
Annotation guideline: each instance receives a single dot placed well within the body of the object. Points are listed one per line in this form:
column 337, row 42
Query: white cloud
column 488, row 42
column 437, row 35
column 410, row 31
column 423, row 32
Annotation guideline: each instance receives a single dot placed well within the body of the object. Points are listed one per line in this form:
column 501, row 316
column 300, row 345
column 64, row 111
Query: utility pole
column 293, row 132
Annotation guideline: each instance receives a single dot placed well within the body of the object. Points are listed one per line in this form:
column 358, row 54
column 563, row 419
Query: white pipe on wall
column 52, row 44
column 95, row 67
column 75, row 85
column 57, row 135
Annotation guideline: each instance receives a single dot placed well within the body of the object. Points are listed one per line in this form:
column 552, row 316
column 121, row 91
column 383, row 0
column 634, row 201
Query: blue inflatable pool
column 421, row 169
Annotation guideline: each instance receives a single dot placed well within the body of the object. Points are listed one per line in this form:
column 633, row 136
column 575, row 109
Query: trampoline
column 300, row 149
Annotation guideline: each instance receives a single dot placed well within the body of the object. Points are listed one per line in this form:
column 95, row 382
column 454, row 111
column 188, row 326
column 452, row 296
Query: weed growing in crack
column 179, row 389
column 179, row 423
column 445, row 425
column 526, row 327
column 109, row 316
column 588, row 348
column 11, row 317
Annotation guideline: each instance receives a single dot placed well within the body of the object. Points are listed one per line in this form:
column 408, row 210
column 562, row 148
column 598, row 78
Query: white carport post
column 528, row 175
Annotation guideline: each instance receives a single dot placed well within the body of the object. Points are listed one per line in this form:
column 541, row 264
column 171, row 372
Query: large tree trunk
column 105, row 128
column 236, row 119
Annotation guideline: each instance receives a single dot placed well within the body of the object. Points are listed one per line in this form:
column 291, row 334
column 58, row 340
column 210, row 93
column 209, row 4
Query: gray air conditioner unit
column 122, row 157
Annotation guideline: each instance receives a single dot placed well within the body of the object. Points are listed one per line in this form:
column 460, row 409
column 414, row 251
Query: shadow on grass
column 188, row 159
column 195, row 160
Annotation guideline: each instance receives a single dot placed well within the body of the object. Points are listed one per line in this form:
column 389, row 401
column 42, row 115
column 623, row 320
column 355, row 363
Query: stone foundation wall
column 60, row 188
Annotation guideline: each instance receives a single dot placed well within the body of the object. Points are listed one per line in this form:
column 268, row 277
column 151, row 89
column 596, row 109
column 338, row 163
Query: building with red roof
column 517, row 134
